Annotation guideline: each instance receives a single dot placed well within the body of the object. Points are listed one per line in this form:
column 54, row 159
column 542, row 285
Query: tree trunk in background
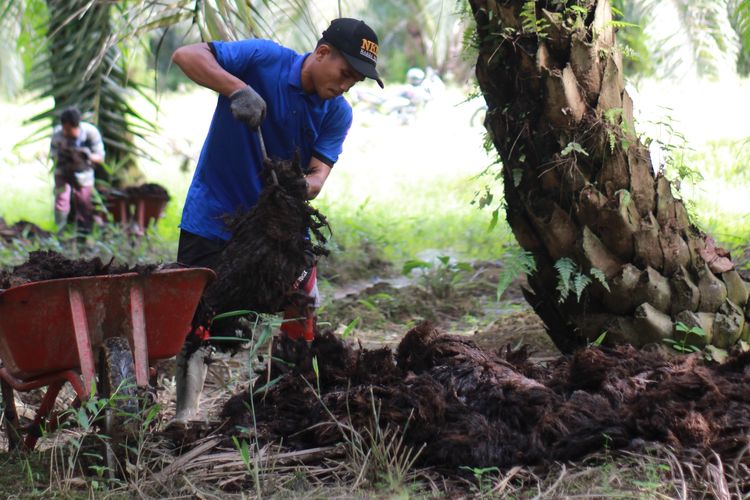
column 580, row 188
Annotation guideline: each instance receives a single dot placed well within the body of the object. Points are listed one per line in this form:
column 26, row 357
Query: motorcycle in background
column 400, row 101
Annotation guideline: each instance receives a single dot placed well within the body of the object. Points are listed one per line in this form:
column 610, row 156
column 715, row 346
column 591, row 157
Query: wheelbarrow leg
column 140, row 345
column 45, row 410
column 10, row 417
column 83, row 339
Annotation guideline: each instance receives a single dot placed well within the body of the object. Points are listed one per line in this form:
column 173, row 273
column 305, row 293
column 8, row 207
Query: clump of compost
column 47, row 265
column 149, row 190
column 21, row 230
column 72, row 161
column 469, row 407
column 270, row 248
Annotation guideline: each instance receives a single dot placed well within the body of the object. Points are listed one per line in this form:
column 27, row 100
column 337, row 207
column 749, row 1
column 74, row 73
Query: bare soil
column 518, row 328
column 471, row 308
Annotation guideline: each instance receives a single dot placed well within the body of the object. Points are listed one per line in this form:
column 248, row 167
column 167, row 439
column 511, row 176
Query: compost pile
column 480, row 409
column 133, row 193
column 21, row 230
column 269, row 249
column 148, row 190
column 47, row 265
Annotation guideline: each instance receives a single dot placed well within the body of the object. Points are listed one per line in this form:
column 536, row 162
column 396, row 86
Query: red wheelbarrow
column 135, row 210
column 73, row 329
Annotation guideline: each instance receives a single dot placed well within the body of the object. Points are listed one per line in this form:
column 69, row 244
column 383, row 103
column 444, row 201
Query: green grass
column 401, row 192
column 716, row 188
column 404, row 190
column 24, row 476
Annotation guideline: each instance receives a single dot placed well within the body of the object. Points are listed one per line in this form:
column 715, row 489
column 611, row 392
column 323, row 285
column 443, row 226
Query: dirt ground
column 389, row 306
column 376, row 313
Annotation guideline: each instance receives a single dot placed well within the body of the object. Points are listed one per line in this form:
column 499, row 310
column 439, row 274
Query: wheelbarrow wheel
column 10, row 418
column 117, row 381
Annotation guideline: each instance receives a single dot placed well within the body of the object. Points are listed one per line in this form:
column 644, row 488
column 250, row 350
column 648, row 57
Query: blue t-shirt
column 227, row 177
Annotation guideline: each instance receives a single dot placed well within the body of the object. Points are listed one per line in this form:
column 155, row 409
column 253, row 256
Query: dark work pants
column 197, row 251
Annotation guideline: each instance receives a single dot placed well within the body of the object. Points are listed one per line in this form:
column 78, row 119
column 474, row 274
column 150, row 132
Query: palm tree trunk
column 581, row 191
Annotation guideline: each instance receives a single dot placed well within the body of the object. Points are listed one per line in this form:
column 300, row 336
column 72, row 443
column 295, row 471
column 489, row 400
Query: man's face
column 71, row 131
column 335, row 75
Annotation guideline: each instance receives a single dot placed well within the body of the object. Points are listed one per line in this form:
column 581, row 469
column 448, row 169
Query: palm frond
column 739, row 17
column 708, row 32
column 683, row 35
column 20, row 23
column 80, row 64
column 11, row 66
column 416, row 33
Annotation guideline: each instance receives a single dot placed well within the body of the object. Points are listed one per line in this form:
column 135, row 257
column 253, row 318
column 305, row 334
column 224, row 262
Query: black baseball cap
column 357, row 42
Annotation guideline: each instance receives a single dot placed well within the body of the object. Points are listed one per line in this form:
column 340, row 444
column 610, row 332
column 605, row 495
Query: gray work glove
column 248, row 107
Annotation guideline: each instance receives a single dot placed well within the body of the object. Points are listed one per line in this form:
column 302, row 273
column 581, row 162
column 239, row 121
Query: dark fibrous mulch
column 71, row 161
column 149, row 190
column 21, row 230
column 474, row 408
column 47, row 265
column 269, row 249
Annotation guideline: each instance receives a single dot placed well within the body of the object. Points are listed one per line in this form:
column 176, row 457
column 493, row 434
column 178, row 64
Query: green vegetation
column 717, row 199
column 388, row 195
column 572, row 279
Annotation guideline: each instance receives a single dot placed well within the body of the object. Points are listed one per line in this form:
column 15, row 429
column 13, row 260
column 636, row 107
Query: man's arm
column 97, row 159
column 93, row 145
column 53, row 147
column 200, row 65
column 318, row 172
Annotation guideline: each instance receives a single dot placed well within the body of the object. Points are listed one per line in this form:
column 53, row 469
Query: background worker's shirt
column 227, row 177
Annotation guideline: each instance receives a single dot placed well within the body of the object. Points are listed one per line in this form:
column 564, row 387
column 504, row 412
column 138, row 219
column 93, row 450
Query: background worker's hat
column 357, row 42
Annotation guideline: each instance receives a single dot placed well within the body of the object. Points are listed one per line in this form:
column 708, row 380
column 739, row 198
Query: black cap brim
column 368, row 70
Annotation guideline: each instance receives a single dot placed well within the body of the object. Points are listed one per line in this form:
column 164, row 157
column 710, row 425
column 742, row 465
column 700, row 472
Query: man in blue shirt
column 296, row 102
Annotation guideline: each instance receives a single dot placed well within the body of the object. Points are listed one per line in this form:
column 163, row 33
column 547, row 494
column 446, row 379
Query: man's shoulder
column 90, row 131
column 270, row 45
column 341, row 103
column 255, row 47
column 340, row 108
column 89, row 127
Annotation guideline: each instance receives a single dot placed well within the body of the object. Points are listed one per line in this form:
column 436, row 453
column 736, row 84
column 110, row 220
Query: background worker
column 76, row 147
column 296, row 101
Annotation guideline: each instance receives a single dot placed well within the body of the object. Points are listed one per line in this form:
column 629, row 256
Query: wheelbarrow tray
column 38, row 321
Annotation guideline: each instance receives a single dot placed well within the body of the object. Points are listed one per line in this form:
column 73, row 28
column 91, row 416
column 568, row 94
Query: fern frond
column 565, row 270
column 515, row 262
column 599, row 275
column 580, row 282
